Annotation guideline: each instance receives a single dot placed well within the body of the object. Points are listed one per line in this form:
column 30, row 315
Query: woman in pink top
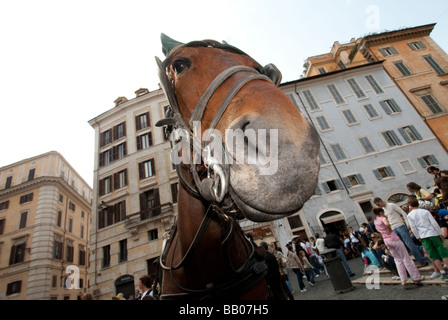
column 397, row 248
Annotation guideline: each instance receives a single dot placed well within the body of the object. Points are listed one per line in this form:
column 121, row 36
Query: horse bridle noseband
column 215, row 189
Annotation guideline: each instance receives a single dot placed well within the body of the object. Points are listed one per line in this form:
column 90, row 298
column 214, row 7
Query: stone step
column 385, row 277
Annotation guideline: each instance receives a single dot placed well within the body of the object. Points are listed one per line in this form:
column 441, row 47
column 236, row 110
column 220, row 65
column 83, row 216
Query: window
column 105, row 138
column 356, row 89
column 353, row 180
column 153, row 235
column 8, row 182
column 431, row 103
column 407, row 166
column 106, row 256
column 57, row 250
column 323, row 123
column 112, row 214
column 374, row 84
column 388, row 51
column 322, row 70
column 366, row 145
column 105, row 186
column 390, row 106
column 26, row 198
column 410, row 134
column 335, row 94
column 71, row 206
column 383, row 172
column 13, row 287
column 322, row 158
column 69, row 251
column 310, row 100
column 349, row 117
column 341, row 65
column 391, row 138
column 142, row 121
column 119, row 151
column 148, row 200
column 70, row 225
column 23, row 218
column 371, row 111
column 105, row 157
column 295, row 222
column 428, row 160
column 416, row 45
column 2, row 227
column 81, row 231
column 17, row 251
column 404, row 70
column 31, row 173
column 120, row 131
column 123, row 255
column 4, row 205
column 174, row 191
column 144, row 141
column 120, row 179
column 338, row 151
column 59, row 218
column 146, row 169
column 435, row 65
column 332, row 185
column 82, row 255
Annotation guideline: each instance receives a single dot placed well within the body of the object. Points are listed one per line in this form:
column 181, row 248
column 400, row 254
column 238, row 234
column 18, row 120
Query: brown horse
column 218, row 90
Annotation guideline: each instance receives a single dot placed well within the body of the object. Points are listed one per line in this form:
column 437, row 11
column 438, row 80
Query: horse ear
column 168, row 44
column 273, row 73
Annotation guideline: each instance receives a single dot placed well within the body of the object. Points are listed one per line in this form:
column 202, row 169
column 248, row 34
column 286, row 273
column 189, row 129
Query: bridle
column 215, row 187
column 211, row 189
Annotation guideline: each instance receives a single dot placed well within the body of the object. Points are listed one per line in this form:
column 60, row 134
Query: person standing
column 401, row 257
column 332, row 241
column 145, row 284
column 426, row 229
column 395, row 215
column 293, row 262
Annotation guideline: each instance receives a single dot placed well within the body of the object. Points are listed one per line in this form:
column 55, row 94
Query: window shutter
column 404, row 135
column 383, row 52
column 360, row 178
column 139, row 142
column 137, row 123
column 433, row 159
column 416, row 133
column 385, row 107
column 392, row 132
column 143, row 203
column 393, row 50
column 377, row 174
column 325, row 187
column 318, row 191
column 390, row 172
column 346, row 182
column 422, row 162
column 339, row 184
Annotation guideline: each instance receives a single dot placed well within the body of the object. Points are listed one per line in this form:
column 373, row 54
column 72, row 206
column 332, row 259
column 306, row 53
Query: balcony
column 138, row 222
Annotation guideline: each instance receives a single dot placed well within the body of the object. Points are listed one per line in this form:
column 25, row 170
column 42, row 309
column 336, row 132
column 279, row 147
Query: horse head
column 270, row 164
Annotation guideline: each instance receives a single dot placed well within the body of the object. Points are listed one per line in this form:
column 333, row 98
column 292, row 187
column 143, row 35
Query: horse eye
column 180, row 65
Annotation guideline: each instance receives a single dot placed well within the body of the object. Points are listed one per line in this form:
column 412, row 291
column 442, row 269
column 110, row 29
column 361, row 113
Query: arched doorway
column 334, row 221
column 125, row 284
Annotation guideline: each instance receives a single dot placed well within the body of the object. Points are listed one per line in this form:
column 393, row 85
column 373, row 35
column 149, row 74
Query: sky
column 64, row 62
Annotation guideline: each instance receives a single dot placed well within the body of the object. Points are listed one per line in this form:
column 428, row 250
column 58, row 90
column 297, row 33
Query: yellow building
column 414, row 61
column 45, row 211
column 135, row 193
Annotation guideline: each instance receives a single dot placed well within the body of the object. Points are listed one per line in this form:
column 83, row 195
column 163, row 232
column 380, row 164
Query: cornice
column 398, row 35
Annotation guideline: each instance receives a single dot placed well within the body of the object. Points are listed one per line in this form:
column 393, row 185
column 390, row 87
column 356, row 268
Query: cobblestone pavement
column 324, row 289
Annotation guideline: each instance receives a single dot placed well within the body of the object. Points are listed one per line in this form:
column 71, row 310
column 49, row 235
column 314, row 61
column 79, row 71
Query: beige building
column 45, row 209
column 135, row 193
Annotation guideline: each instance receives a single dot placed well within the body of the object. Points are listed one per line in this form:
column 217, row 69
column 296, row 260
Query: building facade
column 135, row 199
column 373, row 142
column 413, row 60
column 45, row 209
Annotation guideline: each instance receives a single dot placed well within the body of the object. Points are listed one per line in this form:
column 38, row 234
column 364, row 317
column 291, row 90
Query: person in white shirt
column 427, row 230
column 395, row 215
column 145, row 285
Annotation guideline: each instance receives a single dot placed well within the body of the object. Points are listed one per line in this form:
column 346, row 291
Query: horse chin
column 257, row 215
